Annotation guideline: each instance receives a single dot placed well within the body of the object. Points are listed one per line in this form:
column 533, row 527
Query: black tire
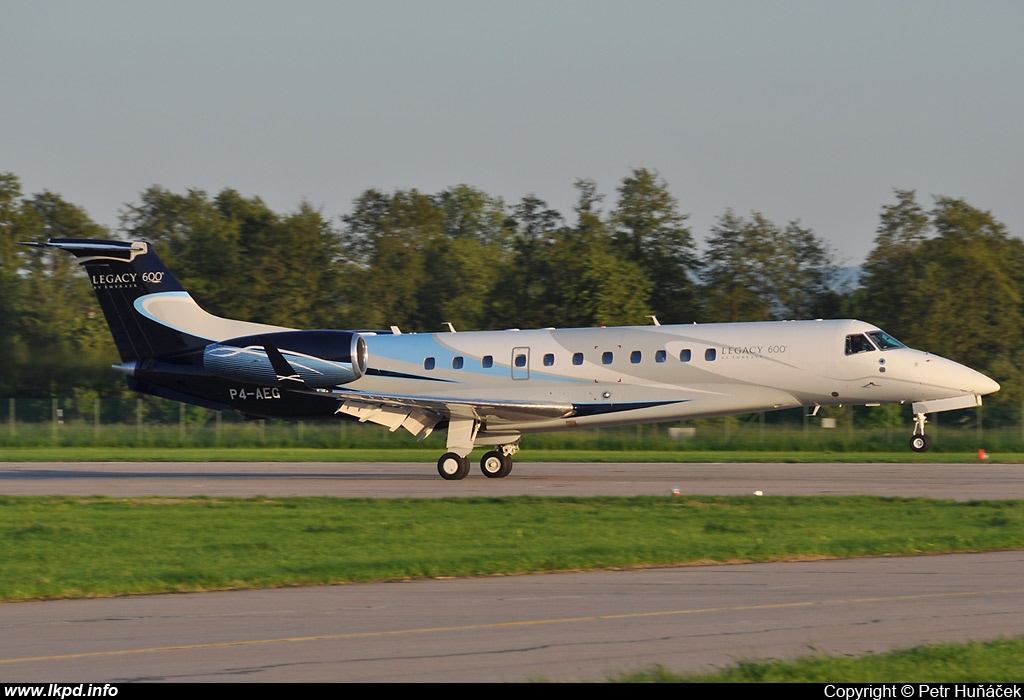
column 495, row 465
column 507, row 468
column 452, row 467
column 920, row 443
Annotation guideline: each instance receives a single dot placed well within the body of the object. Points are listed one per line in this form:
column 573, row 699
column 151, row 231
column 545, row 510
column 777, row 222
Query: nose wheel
column 920, row 442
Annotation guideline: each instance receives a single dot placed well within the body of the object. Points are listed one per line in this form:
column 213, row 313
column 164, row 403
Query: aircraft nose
column 959, row 378
column 986, row 385
column 973, row 381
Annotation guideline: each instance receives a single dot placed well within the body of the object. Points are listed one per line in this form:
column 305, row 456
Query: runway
column 558, row 626
column 417, row 480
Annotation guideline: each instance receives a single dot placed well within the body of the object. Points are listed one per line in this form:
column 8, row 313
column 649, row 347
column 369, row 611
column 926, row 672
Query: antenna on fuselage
column 655, row 319
column 451, row 328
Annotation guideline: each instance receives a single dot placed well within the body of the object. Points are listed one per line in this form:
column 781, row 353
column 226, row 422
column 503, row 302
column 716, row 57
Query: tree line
column 947, row 278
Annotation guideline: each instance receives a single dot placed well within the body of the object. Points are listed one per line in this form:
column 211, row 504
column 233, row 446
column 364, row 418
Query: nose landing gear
column 920, row 442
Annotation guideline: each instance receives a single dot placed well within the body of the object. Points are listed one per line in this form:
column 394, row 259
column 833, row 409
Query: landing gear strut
column 920, row 442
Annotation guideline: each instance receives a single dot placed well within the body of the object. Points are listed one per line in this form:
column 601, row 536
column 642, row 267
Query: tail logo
column 119, row 281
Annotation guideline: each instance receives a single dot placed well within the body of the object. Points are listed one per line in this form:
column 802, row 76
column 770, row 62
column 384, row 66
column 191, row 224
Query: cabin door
column 520, row 363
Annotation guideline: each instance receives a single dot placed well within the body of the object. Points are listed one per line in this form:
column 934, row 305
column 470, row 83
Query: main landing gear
column 920, row 442
column 496, row 464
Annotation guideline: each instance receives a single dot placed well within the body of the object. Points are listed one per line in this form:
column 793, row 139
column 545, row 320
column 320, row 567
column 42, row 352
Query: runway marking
column 500, row 625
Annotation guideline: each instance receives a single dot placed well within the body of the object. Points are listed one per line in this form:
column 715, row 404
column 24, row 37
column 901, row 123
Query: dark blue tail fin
column 124, row 274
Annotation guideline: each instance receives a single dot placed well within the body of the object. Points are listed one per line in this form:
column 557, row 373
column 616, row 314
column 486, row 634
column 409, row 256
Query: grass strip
column 429, row 455
column 60, row 547
column 996, row 661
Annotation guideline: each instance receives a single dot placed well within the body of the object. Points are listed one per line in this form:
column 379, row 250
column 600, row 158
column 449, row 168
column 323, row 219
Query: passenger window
column 858, row 343
column 577, row 358
column 549, row 360
column 635, row 357
column 520, row 360
column 660, row 356
column 487, row 361
column 457, row 362
column 710, row 354
column 428, row 363
column 684, row 355
column 606, row 358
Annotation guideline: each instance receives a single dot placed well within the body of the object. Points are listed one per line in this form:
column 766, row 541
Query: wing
column 420, row 414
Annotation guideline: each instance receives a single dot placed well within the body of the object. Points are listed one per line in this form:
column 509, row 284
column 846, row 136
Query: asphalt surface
column 557, row 626
column 416, row 480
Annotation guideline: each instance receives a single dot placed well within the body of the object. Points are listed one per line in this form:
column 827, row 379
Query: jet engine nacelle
column 321, row 358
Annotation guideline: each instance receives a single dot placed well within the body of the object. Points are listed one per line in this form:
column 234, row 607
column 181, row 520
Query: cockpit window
column 858, row 343
column 884, row 341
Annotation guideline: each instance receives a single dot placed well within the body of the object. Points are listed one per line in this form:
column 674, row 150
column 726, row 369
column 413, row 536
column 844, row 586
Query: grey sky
column 809, row 110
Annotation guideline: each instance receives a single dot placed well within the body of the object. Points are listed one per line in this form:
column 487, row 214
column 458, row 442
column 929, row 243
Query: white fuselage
column 618, row 376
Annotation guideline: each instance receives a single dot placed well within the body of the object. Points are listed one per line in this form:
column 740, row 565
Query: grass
column 995, row 661
column 65, row 547
column 155, row 423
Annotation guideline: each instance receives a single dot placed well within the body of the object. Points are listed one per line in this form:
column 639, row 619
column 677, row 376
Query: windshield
column 884, row 341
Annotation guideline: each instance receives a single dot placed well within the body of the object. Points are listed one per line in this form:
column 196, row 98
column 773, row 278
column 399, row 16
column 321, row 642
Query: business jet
column 488, row 388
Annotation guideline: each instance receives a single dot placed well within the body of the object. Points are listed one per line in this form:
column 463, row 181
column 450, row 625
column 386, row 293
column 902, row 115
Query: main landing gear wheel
column 452, row 467
column 495, row 465
column 920, row 443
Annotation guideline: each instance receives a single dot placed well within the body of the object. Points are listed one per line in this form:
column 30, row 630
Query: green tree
column 808, row 275
column 755, row 270
column 732, row 274
column 63, row 334
column 10, row 282
column 465, row 265
column 384, row 242
column 894, row 266
column 587, row 284
column 520, row 295
column 299, row 267
column 199, row 244
column 950, row 282
column 240, row 259
column 972, row 276
column 650, row 231
column 471, row 213
column 10, row 287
